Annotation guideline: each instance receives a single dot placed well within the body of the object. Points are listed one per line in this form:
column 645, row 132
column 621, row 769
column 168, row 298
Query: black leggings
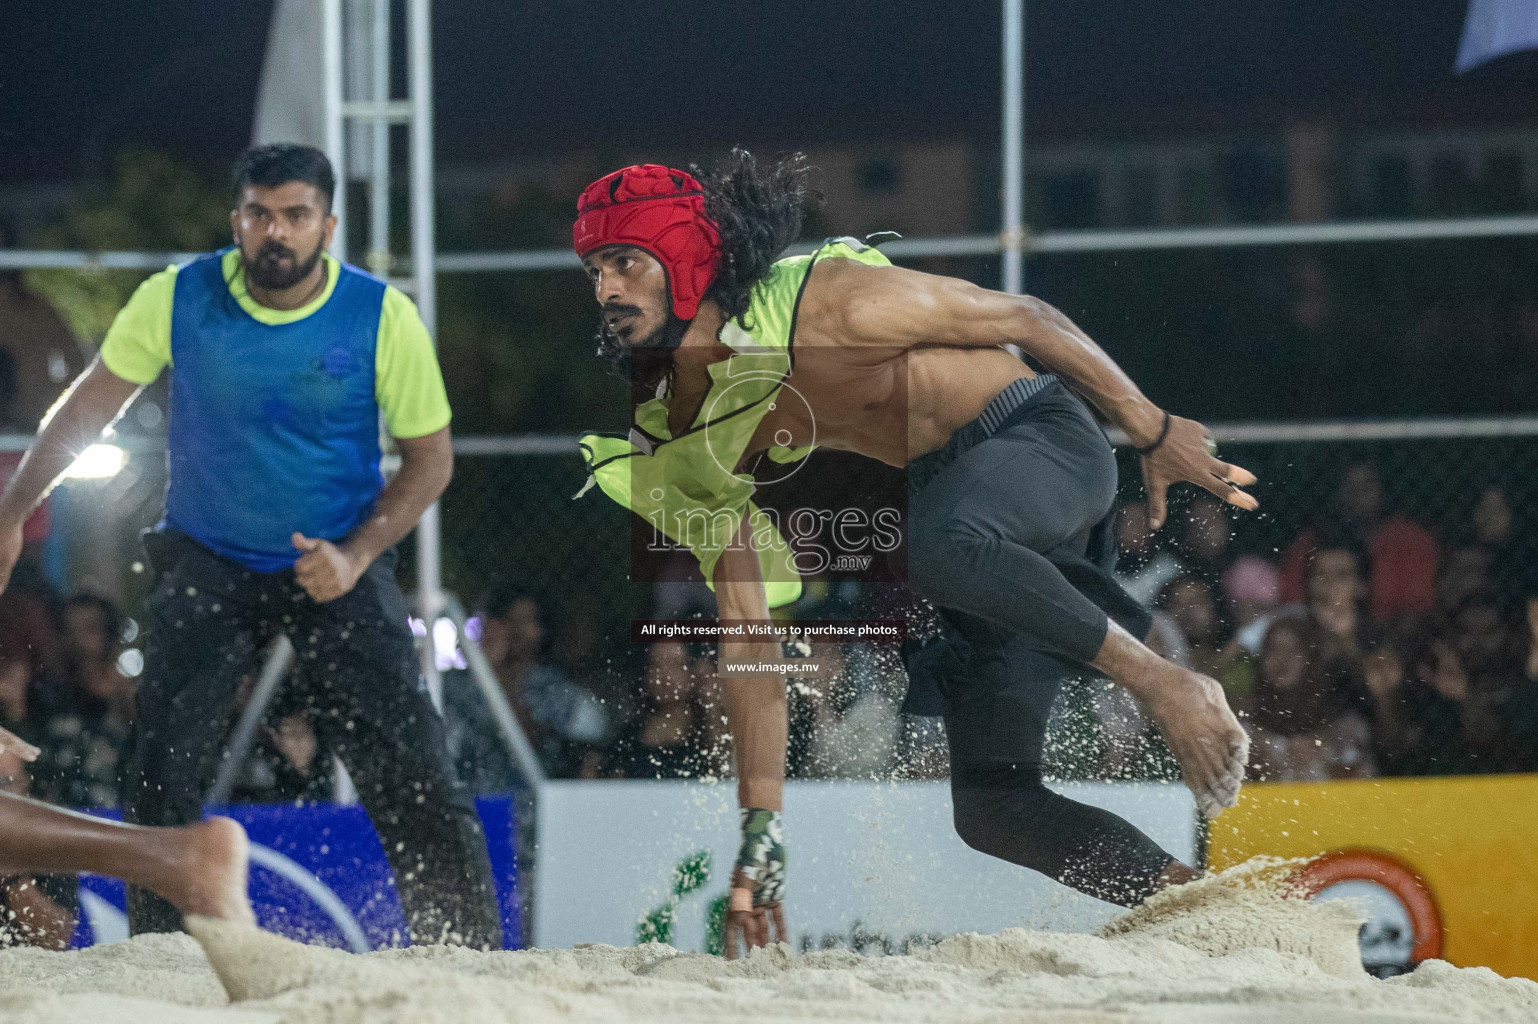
column 1012, row 538
column 357, row 672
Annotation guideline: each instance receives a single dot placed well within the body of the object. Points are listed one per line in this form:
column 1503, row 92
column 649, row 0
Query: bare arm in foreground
column 894, row 306
column 327, row 570
column 95, row 401
column 757, row 717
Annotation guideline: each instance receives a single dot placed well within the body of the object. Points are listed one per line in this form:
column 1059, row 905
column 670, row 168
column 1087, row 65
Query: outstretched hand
column 749, row 926
column 1202, row 733
column 1189, row 454
column 755, row 914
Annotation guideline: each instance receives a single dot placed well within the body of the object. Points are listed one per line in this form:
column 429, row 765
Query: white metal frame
column 423, row 265
column 1089, row 240
column 371, row 30
column 1012, row 232
column 1312, row 432
column 1258, row 432
column 332, row 48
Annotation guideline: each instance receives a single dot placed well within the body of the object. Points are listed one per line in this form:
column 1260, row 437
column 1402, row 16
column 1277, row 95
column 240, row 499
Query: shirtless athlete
column 1011, row 491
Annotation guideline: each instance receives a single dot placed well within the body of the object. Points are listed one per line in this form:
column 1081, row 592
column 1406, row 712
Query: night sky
column 81, row 79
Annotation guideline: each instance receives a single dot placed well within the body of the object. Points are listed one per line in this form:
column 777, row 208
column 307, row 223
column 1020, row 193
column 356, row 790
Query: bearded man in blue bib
column 278, row 520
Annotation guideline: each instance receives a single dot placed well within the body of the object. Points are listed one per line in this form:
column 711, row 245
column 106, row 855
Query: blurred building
column 1311, row 171
column 920, row 188
column 1316, row 171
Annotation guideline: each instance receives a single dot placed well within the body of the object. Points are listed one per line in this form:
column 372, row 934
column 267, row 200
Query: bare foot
column 1201, row 732
column 1176, row 873
column 210, row 874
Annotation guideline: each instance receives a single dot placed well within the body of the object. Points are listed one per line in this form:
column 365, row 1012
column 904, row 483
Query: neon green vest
column 686, row 487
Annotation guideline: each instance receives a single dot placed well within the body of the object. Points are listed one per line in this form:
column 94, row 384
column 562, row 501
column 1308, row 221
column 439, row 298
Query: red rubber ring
column 1362, row 864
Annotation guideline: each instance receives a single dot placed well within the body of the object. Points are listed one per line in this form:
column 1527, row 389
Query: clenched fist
column 325, row 571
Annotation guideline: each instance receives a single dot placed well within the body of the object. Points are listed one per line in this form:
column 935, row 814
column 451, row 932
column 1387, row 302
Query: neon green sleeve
column 407, row 382
column 138, row 344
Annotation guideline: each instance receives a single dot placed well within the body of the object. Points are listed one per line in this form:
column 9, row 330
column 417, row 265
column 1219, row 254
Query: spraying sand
column 1228, row 948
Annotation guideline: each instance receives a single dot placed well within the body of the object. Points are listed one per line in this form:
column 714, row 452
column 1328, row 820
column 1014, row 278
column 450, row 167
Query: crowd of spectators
column 68, row 674
column 1371, row 645
column 63, row 689
column 565, row 723
column 1367, row 645
column 657, row 711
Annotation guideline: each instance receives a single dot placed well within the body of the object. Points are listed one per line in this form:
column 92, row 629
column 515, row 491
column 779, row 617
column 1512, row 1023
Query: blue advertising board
column 319, row 875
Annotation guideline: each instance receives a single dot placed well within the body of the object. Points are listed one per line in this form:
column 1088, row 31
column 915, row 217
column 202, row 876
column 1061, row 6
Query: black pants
column 1012, row 538
column 357, row 672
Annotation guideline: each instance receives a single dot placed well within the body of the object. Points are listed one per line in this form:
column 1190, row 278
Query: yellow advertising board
column 1454, row 859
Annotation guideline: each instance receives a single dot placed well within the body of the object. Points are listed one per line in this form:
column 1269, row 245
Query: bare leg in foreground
column 1192, row 714
column 1197, row 724
column 200, row 868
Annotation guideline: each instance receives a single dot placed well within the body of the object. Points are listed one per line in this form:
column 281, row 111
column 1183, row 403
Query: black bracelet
column 1164, row 431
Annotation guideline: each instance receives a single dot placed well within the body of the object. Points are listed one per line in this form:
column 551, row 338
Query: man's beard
column 266, row 270
column 646, row 362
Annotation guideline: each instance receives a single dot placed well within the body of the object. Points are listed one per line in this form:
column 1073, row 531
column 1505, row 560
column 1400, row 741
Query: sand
column 1228, row 948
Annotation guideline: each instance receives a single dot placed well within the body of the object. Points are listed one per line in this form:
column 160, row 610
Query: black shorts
column 1012, row 537
column 355, row 672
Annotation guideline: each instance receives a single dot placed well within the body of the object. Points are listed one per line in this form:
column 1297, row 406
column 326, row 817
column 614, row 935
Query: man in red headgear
column 661, row 211
column 657, row 213
column 1011, row 488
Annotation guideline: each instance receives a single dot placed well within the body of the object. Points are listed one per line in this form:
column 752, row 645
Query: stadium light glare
column 97, row 462
column 446, row 652
column 445, row 642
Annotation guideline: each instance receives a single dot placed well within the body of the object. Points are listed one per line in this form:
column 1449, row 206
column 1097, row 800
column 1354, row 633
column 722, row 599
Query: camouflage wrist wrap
column 762, row 857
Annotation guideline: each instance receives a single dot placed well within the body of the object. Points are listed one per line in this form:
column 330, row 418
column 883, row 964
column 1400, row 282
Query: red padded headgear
column 659, row 209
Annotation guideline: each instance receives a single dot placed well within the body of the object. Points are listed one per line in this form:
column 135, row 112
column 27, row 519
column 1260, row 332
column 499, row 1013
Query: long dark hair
column 759, row 212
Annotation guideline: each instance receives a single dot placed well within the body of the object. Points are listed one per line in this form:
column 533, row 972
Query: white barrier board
column 872, row 865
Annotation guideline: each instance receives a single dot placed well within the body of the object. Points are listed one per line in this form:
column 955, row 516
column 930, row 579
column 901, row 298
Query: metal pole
column 279, row 657
column 513, row 739
column 1091, row 240
column 1419, row 428
column 423, row 239
column 336, row 148
column 423, row 271
column 379, row 179
column 526, row 798
column 1012, row 236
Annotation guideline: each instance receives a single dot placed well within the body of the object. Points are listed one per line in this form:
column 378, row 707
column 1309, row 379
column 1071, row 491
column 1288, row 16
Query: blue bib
column 273, row 427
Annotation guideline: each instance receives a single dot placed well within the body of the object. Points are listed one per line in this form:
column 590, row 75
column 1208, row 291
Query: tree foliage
column 150, row 203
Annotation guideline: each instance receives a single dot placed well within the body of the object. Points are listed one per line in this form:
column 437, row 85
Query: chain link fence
column 1401, row 561
column 1399, row 558
column 1375, row 617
